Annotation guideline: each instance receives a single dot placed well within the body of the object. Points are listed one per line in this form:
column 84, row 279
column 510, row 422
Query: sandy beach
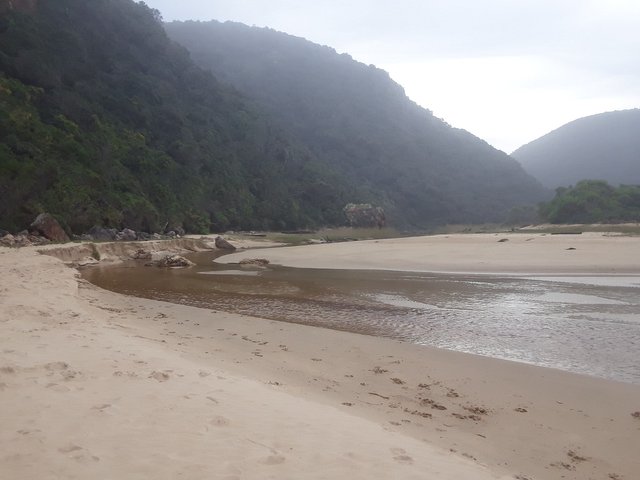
column 98, row 385
column 510, row 253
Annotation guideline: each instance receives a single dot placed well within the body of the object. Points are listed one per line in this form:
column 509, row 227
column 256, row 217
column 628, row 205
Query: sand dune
column 98, row 385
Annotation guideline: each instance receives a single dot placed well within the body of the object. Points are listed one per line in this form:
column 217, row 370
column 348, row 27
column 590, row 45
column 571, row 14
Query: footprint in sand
column 159, row 376
column 69, row 448
column 400, row 456
column 57, row 388
column 273, row 460
column 56, row 366
column 219, row 421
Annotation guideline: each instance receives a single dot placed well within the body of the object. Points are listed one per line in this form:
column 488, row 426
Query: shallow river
column 581, row 324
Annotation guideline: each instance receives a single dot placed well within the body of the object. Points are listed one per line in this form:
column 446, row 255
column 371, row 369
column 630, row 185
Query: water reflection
column 591, row 325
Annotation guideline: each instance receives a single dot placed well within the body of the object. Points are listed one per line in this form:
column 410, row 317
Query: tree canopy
column 593, row 201
column 106, row 121
column 356, row 119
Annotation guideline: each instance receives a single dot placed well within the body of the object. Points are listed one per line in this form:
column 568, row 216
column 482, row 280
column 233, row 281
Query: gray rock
column 223, row 244
column 365, row 215
column 101, row 234
column 174, row 261
column 141, row 254
column 8, row 240
column 126, row 235
column 257, row 262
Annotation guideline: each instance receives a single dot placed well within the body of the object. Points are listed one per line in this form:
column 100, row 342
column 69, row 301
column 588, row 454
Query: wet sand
column 588, row 325
column 96, row 384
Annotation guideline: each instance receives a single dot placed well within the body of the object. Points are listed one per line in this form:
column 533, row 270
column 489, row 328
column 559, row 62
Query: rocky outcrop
column 142, row 254
column 172, row 261
column 365, row 215
column 22, row 239
column 223, row 244
column 126, row 235
column 254, row 262
column 100, row 234
column 49, row 228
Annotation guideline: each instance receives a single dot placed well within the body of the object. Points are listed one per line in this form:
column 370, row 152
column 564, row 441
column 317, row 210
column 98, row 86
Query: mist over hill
column 359, row 122
column 105, row 121
column 599, row 147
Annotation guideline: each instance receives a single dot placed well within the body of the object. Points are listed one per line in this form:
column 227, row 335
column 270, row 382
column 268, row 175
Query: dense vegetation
column 593, row 201
column 358, row 121
column 104, row 120
column 604, row 147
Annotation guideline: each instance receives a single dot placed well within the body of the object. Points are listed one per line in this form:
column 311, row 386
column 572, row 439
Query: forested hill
column 104, row 120
column 354, row 118
column 604, row 147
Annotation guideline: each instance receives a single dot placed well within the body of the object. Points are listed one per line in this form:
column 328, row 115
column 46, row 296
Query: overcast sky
column 508, row 71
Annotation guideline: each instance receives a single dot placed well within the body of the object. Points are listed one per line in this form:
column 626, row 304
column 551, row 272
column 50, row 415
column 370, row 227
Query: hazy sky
column 508, row 71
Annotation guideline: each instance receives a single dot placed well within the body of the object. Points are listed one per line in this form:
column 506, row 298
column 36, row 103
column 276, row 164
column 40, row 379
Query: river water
column 581, row 324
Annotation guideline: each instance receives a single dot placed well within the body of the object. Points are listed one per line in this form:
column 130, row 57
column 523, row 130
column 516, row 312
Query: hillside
column 360, row 123
column 104, row 120
column 600, row 147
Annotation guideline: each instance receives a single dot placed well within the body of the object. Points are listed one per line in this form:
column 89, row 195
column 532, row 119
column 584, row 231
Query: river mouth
column 582, row 324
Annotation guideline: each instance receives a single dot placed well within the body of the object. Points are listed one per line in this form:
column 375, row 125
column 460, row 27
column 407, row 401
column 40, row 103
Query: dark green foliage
column 604, row 146
column 593, row 201
column 104, row 120
column 359, row 122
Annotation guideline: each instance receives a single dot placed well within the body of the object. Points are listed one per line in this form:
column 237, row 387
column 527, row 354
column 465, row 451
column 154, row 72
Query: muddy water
column 581, row 324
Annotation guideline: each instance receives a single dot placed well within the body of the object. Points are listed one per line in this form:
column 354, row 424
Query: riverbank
column 497, row 253
column 95, row 384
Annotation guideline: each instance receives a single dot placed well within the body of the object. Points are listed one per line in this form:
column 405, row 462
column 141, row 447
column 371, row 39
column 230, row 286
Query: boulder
column 365, row 215
column 177, row 230
column 222, row 244
column 255, row 262
column 126, row 235
column 7, row 240
column 141, row 254
column 175, row 261
column 38, row 240
column 49, row 227
column 101, row 234
column 144, row 236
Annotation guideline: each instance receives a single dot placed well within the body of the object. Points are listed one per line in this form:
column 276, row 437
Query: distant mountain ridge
column 605, row 146
column 360, row 123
